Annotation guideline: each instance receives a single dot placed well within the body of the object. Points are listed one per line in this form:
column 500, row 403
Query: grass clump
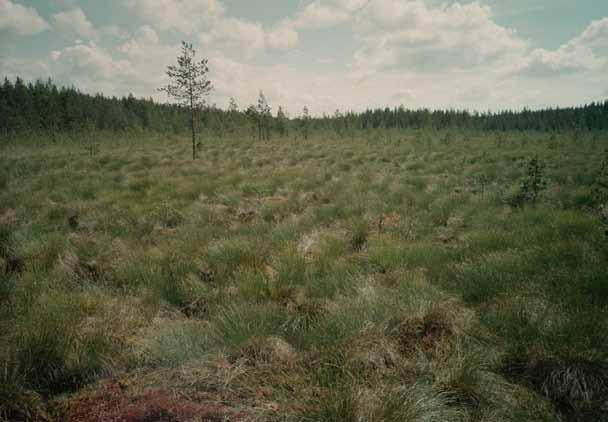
column 52, row 352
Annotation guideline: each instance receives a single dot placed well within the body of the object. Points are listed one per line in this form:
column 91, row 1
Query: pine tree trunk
column 193, row 132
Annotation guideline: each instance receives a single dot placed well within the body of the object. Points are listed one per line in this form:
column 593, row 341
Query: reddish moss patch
column 113, row 402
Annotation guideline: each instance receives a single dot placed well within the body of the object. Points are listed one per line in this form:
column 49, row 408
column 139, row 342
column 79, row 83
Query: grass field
column 397, row 276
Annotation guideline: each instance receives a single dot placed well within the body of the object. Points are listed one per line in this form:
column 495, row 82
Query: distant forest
column 42, row 106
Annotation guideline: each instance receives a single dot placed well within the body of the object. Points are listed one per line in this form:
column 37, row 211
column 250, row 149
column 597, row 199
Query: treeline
column 589, row 117
column 42, row 106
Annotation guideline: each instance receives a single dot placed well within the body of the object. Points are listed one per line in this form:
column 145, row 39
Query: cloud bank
column 420, row 53
column 22, row 20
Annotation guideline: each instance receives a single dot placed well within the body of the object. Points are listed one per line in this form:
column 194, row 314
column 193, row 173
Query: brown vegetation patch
column 303, row 312
column 310, row 246
column 14, row 264
column 218, row 208
column 456, row 222
column 450, row 231
column 205, row 273
column 389, row 222
column 445, row 234
column 161, row 230
column 270, row 350
column 70, row 265
column 9, row 217
column 371, row 352
column 429, row 333
column 270, row 273
column 274, row 199
column 246, row 215
column 73, row 220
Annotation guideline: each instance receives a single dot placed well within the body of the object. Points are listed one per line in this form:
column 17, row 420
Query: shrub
column 600, row 184
column 533, row 183
column 579, row 388
column 168, row 216
column 4, row 180
column 359, row 235
column 17, row 403
column 481, row 181
column 600, row 193
column 604, row 218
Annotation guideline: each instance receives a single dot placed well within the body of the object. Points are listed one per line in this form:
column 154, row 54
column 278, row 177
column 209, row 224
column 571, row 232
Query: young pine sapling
column 305, row 122
column 189, row 85
column 533, row 183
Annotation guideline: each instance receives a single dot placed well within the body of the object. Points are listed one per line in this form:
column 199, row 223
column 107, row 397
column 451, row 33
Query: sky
column 323, row 54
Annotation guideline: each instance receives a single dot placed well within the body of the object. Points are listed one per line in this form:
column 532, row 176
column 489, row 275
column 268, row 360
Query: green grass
column 394, row 277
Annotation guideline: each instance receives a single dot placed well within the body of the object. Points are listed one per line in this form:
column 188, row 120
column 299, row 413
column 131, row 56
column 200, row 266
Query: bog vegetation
column 391, row 265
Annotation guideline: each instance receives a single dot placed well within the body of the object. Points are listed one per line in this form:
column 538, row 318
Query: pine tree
column 282, row 120
column 233, row 107
column 534, row 181
column 339, row 125
column 189, row 85
column 264, row 115
column 254, row 116
column 305, row 122
column 600, row 184
column 6, row 91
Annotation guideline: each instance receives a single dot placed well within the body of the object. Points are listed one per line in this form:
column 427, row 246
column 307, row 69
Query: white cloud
column 413, row 36
column 74, row 23
column 239, row 37
column 113, row 31
column 144, row 41
column 350, row 5
column 586, row 52
column 315, row 15
column 20, row 19
column 325, row 13
column 185, row 16
column 215, row 29
column 90, row 61
column 320, row 15
column 148, row 58
column 282, row 37
column 596, row 37
column 566, row 59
